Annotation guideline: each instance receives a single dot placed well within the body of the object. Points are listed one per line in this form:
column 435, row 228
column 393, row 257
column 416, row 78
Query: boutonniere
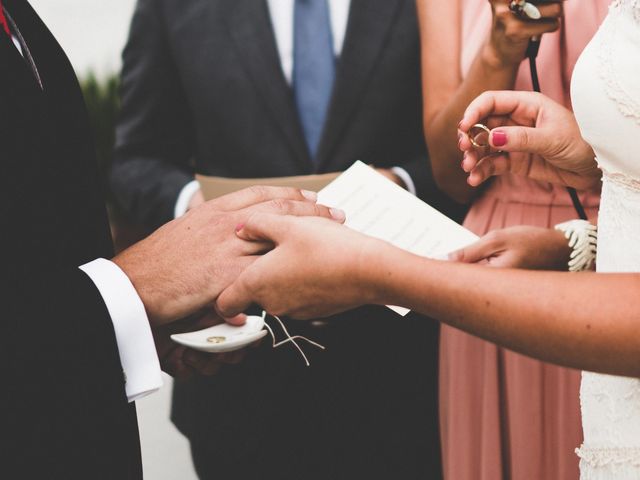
column 3, row 20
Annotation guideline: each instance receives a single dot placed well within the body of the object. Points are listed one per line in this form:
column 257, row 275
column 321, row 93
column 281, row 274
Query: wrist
column 561, row 245
column 493, row 60
column 379, row 272
column 157, row 311
column 371, row 270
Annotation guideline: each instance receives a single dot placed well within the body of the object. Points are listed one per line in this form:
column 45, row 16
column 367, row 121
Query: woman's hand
column 510, row 34
column 315, row 270
column 530, row 123
column 525, row 247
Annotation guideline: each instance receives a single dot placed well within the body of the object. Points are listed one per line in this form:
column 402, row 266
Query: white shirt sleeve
column 187, row 192
column 406, row 178
column 138, row 355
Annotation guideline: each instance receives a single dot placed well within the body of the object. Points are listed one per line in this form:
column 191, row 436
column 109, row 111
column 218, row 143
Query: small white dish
column 224, row 337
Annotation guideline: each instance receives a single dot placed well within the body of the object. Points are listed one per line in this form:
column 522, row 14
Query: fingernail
column 464, row 159
column 338, row 214
column 239, row 227
column 499, row 138
column 309, row 195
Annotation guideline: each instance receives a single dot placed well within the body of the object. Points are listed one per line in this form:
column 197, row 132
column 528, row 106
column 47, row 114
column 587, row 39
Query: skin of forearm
column 486, row 73
column 587, row 321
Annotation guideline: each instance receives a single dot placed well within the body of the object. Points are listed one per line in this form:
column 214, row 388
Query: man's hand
column 196, row 200
column 182, row 267
column 531, row 136
column 181, row 362
column 524, row 247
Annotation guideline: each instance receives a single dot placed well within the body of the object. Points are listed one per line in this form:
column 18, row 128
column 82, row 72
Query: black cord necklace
column 532, row 53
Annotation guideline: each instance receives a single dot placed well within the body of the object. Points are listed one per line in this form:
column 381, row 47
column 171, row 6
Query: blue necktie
column 314, row 67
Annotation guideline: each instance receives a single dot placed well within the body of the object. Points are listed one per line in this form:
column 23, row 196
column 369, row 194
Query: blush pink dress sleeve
column 505, row 416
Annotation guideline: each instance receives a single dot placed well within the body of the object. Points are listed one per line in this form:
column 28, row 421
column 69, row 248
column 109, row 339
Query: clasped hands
column 181, row 269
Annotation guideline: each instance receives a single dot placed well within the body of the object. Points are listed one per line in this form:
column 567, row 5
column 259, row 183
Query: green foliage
column 103, row 101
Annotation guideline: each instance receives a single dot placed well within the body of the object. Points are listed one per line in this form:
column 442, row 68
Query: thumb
column 237, row 321
column 264, row 227
column 474, row 253
column 235, row 299
column 519, row 139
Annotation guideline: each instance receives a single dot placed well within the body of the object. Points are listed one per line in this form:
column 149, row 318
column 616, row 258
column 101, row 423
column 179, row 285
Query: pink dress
column 503, row 415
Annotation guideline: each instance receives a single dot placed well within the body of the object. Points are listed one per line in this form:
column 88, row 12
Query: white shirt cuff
column 406, row 178
column 137, row 349
column 187, row 192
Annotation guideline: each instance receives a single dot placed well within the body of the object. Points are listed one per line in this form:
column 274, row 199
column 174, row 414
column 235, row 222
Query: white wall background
column 93, row 33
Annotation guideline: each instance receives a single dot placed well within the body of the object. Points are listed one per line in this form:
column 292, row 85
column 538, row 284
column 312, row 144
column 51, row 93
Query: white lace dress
column 606, row 99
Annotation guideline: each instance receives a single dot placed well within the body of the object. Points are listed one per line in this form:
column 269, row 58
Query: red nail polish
column 239, row 227
column 499, row 138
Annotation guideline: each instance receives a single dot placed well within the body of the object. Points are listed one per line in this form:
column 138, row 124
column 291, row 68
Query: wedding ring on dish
column 224, row 337
column 479, row 135
column 522, row 8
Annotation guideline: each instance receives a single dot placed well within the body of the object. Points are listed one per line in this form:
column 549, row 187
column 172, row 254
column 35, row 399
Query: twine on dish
column 289, row 338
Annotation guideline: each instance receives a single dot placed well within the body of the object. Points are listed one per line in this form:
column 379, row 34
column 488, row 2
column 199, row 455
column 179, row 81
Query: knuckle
column 502, row 15
column 493, row 237
column 258, row 191
column 280, row 205
column 321, row 211
column 554, row 10
column 524, row 140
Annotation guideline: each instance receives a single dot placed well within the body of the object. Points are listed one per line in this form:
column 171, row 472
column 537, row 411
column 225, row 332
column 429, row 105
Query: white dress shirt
column 137, row 350
column 282, row 21
column 136, row 347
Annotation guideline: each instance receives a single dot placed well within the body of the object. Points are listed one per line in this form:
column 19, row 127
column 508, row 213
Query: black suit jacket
column 203, row 89
column 64, row 410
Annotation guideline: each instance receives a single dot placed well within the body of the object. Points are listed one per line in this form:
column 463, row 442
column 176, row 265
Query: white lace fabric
column 606, row 99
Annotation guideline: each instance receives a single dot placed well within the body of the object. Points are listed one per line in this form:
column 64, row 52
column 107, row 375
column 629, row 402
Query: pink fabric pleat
column 505, row 416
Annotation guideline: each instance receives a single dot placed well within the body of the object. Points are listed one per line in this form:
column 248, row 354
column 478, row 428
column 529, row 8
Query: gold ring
column 217, row 340
column 477, row 130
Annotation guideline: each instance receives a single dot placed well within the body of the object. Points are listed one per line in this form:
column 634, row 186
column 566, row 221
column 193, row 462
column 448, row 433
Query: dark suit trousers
column 366, row 408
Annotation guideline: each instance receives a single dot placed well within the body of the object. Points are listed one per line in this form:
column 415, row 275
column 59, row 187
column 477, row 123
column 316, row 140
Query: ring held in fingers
column 479, row 135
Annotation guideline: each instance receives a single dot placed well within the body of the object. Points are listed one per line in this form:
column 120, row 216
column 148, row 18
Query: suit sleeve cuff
column 136, row 347
column 187, row 192
column 406, row 178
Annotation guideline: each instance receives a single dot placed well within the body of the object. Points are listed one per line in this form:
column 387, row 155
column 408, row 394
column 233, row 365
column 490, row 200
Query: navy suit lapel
column 250, row 27
column 369, row 25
